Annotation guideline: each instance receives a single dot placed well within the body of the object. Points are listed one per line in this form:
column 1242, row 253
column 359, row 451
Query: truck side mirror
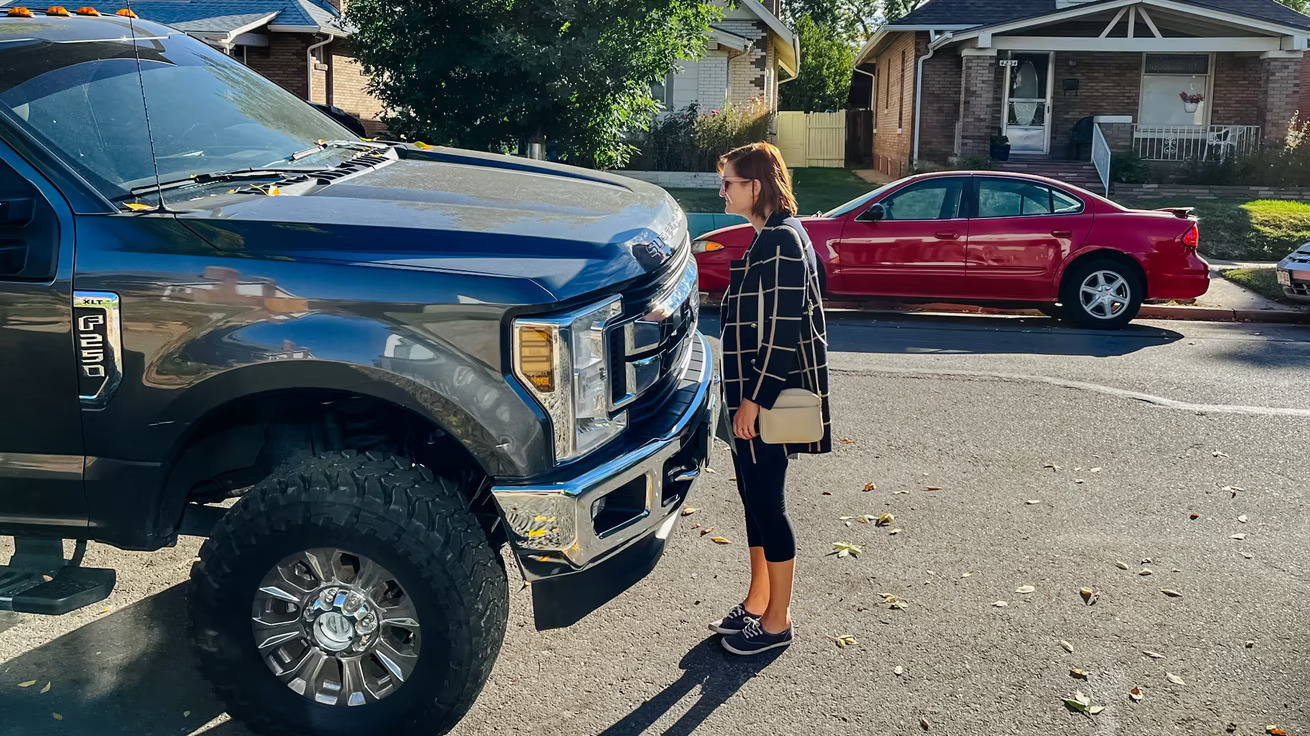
column 873, row 214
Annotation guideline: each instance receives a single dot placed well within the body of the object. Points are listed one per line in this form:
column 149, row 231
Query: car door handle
column 1062, row 233
column 947, row 235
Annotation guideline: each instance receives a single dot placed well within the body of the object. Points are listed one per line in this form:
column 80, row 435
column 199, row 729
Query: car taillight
column 1192, row 237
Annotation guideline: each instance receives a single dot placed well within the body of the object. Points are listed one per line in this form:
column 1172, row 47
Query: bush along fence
column 1210, row 192
column 692, row 140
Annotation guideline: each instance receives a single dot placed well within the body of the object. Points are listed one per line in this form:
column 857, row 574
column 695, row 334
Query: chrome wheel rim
column 1105, row 294
column 336, row 627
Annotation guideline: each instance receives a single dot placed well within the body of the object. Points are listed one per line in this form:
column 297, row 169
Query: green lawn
column 1262, row 230
column 816, row 190
column 1263, row 281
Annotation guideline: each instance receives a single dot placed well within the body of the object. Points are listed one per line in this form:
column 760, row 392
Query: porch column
column 977, row 105
column 1280, row 78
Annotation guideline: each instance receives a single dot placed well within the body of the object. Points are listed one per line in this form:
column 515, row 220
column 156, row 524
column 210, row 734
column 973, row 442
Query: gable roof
column 207, row 17
column 955, row 14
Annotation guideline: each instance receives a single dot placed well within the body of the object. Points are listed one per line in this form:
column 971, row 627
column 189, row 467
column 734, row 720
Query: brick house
column 1052, row 75
column 748, row 54
column 302, row 45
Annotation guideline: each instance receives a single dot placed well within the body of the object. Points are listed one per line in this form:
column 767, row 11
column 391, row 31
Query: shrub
column 1283, row 163
column 973, row 163
column 1129, row 168
column 689, row 140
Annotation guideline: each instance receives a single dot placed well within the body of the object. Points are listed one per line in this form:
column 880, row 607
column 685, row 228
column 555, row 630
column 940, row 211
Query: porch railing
column 1194, row 142
column 1101, row 156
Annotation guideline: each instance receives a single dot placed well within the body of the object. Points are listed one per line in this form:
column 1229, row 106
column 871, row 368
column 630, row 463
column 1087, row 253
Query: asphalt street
column 958, row 422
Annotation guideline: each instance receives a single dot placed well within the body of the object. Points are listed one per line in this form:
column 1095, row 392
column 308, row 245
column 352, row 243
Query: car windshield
column 859, row 201
column 207, row 113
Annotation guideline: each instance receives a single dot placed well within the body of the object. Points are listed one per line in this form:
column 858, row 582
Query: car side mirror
column 873, row 214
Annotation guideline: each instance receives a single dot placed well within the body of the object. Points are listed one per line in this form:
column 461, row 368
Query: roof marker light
column 126, row 13
column 88, row 11
column 19, row 13
column 57, row 10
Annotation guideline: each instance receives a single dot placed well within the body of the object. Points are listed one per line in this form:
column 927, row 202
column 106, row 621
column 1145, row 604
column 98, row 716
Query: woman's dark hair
column 763, row 163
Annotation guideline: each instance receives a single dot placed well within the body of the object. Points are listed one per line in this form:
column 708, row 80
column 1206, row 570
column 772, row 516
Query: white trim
column 1209, row 87
column 1162, row 45
column 1149, row 23
column 1110, row 26
column 977, row 52
column 1096, row 7
column 729, row 39
column 309, row 29
column 1283, row 55
column 1047, row 103
column 1296, row 43
column 1132, row 20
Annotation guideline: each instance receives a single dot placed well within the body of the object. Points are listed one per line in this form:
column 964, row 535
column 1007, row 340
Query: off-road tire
column 417, row 525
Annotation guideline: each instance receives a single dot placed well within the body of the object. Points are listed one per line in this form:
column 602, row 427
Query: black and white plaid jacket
column 774, row 332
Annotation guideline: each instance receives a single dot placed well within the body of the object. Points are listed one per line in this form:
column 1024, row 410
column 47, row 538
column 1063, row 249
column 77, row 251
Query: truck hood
column 573, row 231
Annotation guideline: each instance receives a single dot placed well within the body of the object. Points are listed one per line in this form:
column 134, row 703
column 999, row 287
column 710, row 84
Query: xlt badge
column 98, row 341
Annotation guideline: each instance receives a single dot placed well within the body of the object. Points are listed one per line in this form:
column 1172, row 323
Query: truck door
column 41, row 456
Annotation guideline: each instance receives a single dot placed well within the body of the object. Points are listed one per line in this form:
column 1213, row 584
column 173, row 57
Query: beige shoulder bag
column 797, row 415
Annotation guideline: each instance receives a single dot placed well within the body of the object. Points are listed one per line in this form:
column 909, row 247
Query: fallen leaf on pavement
column 1052, row 466
column 1217, row 453
column 1000, row 604
column 1242, row 518
column 899, row 670
column 29, row 683
column 1152, row 655
column 1067, row 646
column 1248, row 555
column 1250, row 644
column 899, row 605
column 1024, row 589
column 1079, row 481
column 866, row 518
column 894, row 531
column 923, row 723
column 688, row 510
column 885, row 519
column 1275, row 731
column 967, row 574
column 827, row 493
column 1079, row 702
column 1175, row 679
column 870, row 486
column 720, row 540
column 1090, row 597
column 1080, row 674
column 706, row 530
column 1145, row 571
column 888, row 598
column 1032, row 501
column 845, row 640
column 57, row 717
column 844, row 549
column 1172, row 593
column 1135, row 694
column 1095, row 709
column 1096, row 470
column 1238, row 536
column 186, row 714
column 695, row 526
column 1121, row 565
column 932, row 488
column 847, row 441
column 45, row 689
column 900, row 493
column 1194, row 516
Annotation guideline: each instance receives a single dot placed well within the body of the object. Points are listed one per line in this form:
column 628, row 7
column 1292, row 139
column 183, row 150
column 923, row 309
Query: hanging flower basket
column 1191, row 100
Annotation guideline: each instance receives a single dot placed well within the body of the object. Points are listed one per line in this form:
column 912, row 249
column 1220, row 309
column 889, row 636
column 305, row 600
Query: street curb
column 1148, row 311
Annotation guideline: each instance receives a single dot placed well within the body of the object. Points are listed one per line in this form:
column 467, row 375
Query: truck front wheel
column 346, row 594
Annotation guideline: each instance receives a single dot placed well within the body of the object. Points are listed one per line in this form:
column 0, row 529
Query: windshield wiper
column 260, row 173
column 324, row 145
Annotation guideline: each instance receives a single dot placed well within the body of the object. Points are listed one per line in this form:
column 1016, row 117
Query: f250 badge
column 98, row 340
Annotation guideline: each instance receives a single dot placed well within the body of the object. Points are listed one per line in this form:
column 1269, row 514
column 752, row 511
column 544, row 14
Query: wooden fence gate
column 812, row 139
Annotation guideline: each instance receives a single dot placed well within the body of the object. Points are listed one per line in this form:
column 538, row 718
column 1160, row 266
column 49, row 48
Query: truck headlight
column 564, row 362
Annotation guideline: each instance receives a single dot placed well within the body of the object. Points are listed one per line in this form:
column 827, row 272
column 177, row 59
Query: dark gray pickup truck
column 360, row 369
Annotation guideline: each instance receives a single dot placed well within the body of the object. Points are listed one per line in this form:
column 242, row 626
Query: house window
column 1165, row 77
column 660, row 90
column 887, row 87
column 900, row 120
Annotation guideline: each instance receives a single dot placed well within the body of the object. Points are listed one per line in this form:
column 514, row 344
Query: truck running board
column 39, row 580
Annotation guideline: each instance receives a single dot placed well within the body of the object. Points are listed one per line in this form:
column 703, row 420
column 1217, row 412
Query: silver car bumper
column 561, row 528
column 1294, row 274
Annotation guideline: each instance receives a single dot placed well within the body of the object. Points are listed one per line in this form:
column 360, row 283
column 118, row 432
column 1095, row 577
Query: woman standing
column 774, row 338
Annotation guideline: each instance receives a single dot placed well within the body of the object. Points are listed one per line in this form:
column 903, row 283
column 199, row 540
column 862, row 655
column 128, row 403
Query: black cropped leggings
column 761, row 484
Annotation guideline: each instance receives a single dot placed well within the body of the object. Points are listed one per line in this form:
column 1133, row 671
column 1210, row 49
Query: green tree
column 1300, row 6
column 490, row 74
column 825, row 78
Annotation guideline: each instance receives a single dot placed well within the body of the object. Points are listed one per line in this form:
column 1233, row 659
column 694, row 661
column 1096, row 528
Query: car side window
column 935, row 199
column 1019, row 198
column 29, row 230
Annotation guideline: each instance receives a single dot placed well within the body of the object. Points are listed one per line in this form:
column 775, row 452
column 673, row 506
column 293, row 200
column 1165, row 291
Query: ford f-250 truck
column 360, row 369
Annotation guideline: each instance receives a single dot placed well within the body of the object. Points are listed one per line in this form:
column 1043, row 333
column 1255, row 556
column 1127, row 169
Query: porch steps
column 1078, row 173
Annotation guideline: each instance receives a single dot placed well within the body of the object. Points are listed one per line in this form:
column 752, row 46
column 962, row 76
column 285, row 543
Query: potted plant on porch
column 1191, row 100
column 1000, row 150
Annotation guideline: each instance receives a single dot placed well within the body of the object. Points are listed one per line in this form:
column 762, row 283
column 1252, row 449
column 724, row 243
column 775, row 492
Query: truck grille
column 651, row 346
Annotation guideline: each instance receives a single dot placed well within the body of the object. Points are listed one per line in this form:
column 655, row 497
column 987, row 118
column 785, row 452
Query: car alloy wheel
column 1105, row 294
column 336, row 627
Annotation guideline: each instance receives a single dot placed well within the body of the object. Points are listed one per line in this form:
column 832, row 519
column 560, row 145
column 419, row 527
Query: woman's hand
column 743, row 422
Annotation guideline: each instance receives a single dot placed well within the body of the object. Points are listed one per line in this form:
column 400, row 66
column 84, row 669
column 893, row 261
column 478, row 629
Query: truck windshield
column 207, row 112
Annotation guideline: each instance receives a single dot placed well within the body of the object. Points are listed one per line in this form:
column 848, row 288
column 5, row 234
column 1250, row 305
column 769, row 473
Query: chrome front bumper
column 552, row 526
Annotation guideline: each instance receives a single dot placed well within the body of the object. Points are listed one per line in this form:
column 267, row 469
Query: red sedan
column 994, row 239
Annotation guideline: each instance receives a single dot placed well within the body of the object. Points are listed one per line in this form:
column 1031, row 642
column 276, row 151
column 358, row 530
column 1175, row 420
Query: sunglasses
column 725, row 180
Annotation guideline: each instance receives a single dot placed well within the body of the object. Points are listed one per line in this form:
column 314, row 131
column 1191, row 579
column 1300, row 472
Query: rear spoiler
column 1182, row 213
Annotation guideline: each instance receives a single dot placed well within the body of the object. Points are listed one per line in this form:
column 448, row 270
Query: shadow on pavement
column 910, row 333
column 719, row 674
column 128, row 672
